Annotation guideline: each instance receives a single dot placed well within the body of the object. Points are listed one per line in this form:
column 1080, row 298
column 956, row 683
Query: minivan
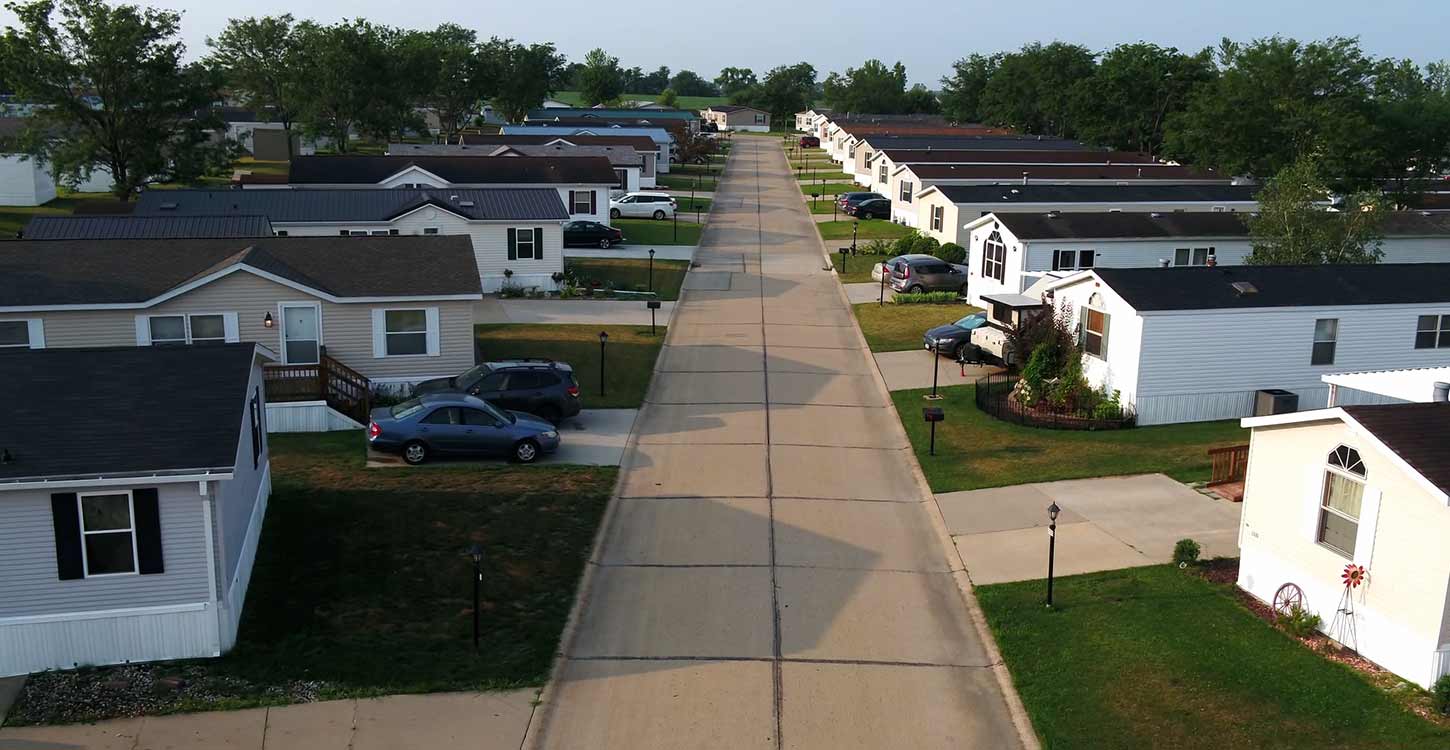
column 642, row 205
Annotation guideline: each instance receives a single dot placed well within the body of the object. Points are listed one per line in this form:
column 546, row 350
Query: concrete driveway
column 1105, row 524
column 915, row 369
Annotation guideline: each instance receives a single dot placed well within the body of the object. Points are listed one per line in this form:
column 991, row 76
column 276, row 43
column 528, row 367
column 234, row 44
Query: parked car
column 875, row 208
column 883, row 268
column 925, row 273
column 541, row 387
column 809, row 141
column 848, row 201
column 456, row 424
column 955, row 339
column 591, row 234
column 644, row 205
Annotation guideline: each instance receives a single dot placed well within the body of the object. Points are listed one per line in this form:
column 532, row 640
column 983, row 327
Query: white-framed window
column 430, row 230
column 582, row 201
column 760, row 119
column 1192, row 256
column 405, row 332
column 1095, row 328
column 906, row 192
column 108, row 534
column 994, row 257
column 1072, row 260
column 882, row 176
column 25, row 333
column 1432, row 332
column 525, row 245
column 1341, row 500
column 937, row 213
column 1326, row 334
column 193, row 328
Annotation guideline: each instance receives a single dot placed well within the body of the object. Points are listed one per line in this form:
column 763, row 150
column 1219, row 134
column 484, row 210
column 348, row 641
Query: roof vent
column 1053, row 214
column 1441, row 393
column 168, row 206
column 1140, row 171
column 1162, row 262
column 466, row 204
column 453, row 198
column 1025, row 177
column 1244, row 288
column 1156, row 215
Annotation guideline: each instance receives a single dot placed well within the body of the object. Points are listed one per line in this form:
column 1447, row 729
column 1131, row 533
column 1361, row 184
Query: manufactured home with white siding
column 1198, row 343
column 133, row 502
column 863, row 168
column 627, row 162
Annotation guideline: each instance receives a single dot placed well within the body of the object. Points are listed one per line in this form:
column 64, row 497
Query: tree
column 696, row 148
column 668, row 98
column 631, row 80
column 1126, row 101
column 525, row 75
column 1292, row 226
column 961, row 95
column 919, row 100
column 113, row 93
column 785, row 90
column 1412, row 126
column 656, row 82
column 405, row 80
column 734, row 80
column 462, row 80
column 257, row 59
column 601, row 79
column 1031, row 89
column 873, row 87
column 689, row 83
column 347, row 73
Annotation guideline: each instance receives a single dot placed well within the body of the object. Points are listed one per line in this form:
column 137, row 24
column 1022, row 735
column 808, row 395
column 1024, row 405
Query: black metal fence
column 994, row 396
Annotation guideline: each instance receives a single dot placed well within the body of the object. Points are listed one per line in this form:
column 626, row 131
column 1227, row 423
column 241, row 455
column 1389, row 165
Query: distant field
column 683, row 102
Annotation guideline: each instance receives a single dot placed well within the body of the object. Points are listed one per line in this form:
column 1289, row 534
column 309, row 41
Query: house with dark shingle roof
column 1200, row 343
column 627, row 162
column 133, row 494
column 355, row 313
column 514, row 230
column 1356, row 485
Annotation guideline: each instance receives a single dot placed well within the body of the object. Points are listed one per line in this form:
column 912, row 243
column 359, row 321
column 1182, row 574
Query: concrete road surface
column 772, row 573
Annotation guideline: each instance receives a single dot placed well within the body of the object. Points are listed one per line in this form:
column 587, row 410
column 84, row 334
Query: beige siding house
column 737, row 117
column 1361, row 485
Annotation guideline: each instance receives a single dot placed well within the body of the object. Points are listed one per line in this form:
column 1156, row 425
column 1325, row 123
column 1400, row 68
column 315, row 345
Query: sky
column 925, row 35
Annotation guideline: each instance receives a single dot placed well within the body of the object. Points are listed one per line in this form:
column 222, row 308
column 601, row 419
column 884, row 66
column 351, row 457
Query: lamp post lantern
column 475, row 552
column 1052, row 511
column 935, row 370
column 652, row 268
column 603, row 339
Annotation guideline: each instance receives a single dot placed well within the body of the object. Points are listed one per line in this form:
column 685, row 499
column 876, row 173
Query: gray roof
column 1008, row 194
column 619, row 156
column 1124, row 225
column 1223, row 287
column 156, row 410
column 371, row 170
column 130, row 227
column 974, row 142
column 283, row 206
column 88, row 272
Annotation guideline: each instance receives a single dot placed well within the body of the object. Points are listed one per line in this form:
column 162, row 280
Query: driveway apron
column 769, row 575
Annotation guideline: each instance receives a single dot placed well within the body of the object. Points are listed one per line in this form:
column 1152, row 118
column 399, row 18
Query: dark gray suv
column 925, row 273
column 541, row 387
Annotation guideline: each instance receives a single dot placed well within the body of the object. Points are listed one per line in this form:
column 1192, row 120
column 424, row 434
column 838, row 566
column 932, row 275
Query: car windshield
column 498, row 413
column 975, row 320
column 406, row 409
column 471, row 375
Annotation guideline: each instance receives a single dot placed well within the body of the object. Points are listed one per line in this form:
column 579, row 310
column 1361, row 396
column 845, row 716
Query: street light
column 476, row 553
column 603, row 339
column 1052, row 511
column 652, row 269
column 932, row 415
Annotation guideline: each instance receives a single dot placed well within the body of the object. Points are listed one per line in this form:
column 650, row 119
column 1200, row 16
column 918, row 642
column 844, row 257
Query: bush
column 1186, row 552
column 1109, row 406
column 951, row 252
column 1440, row 694
column 510, row 290
column 924, row 245
column 1299, row 622
column 905, row 244
column 926, row 298
column 877, row 247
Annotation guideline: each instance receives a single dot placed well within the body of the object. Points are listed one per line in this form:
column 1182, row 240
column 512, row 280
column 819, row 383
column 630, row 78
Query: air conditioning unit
column 1275, row 401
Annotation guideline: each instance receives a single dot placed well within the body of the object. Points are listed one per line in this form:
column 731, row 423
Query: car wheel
column 614, row 213
column 958, row 349
column 415, row 452
column 659, row 215
column 526, row 451
column 915, row 289
column 605, row 243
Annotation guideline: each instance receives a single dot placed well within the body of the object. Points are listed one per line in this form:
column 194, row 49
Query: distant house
column 489, row 218
column 882, row 164
column 133, row 227
column 1360, row 485
column 346, row 315
column 582, row 183
column 27, row 181
column 1407, row 386
column 1010, row 252
column 1200, row 343
column 627, row 162
column 804, row 121
column 662, row 138
column 946, row 212
column 737, row 117
column 690, row 120
column 133, row 502
column 862, row 149
column 644, row 147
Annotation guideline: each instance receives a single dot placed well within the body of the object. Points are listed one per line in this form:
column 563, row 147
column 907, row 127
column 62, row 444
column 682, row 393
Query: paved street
column 773, row 573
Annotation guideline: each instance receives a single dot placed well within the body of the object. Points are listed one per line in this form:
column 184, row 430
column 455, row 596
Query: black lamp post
column 1052, row 511
column 835, row 204
column 932, row 415
column 652, row 268
column 881, row 301
column 855, row 226
column 603, row 339
column 935, row 369
column 476, row 553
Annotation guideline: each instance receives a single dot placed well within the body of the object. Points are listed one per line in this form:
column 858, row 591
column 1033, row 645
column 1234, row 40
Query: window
column 882, row 177
column 1340, row 501
column 16, row 334
column 446, row 415
column 581, row 201
column 165, row 330
column 1431, row 332
column 1326, row 332
column 994, row 257
column 1095, row 328
column 937, row 212
column 168, row 329
column 478, row 418
column 621, row 179
column 108, row 537
column 1002, row 313
column 1072, row 260
column 405, row 332
column 255, row 408
column 905, row 192
column 760, row 119
column 525, row 245
column 1192, row 256
column 206, row 329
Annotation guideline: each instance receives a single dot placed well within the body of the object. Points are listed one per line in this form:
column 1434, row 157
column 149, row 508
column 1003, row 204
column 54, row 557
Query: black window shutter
column 513, row 244
column 592, row 205
column 148, row 530
column 539, row 242
column 66, row 517
column 571, row 201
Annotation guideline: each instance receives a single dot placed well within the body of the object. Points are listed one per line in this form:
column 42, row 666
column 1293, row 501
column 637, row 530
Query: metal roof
column 1136, row 192
column 284, row 206
column 132, row 227
column 371, row 170
column 1241, row 287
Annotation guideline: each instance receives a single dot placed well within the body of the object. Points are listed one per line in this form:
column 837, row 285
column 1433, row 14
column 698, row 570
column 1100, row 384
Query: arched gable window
column 1094, row 327
column 994, row 257
column 1341, row 500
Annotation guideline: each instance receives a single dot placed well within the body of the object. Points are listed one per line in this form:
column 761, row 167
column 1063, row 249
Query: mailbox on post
column 932, row 415
column 653, row 305
column 844, row 252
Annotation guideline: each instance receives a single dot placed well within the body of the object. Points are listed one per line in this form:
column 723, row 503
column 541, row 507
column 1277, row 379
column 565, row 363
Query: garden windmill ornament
column 1343, row 628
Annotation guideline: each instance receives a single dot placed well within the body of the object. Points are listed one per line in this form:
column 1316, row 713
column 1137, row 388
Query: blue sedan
column 456, row 424
column 953, row 339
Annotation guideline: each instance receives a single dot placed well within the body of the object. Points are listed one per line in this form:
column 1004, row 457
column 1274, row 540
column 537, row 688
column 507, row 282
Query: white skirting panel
column 96, row 638
column 1206, row 407
column 494, row 282
column 306, row 416
column 231, row 614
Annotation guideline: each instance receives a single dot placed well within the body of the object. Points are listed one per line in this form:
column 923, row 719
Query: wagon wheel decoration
column 1288, row 598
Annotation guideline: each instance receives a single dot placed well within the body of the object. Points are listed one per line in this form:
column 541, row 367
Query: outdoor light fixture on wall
column 267, row 321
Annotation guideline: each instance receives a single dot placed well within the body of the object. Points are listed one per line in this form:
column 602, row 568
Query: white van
column 642, row 205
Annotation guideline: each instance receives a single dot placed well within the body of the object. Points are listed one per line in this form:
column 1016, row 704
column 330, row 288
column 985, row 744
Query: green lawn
column 684, row 204
column 630, row 274
column 829, row 189
column 361, row 587
column 673, row 181
column 651, row 232
column 1158, row 658
column 708, row 170
column 858, row 267
column 629, row 356
column 805, row 177
column 975, row 450
column 870, row 229
column 895, row 328
column 574, row 98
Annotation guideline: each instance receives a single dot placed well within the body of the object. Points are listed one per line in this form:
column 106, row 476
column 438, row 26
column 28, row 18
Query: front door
column 301, row 334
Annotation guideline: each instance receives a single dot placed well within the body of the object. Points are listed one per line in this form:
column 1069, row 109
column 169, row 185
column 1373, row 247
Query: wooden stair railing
column 343, row 388
column 1230, row 464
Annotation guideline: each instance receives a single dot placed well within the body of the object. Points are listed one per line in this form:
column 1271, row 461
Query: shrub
column 877, row 247
column 1186, row 552
column 925, row 245
column 1299, row 622
column 905, row 244
column 951, row 252
column 1440, row 694
column 1109, row 406
column 510, row 290
column 926, row 298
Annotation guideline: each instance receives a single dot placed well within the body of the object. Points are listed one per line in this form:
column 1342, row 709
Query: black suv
column 848, row 201
column 541, row 387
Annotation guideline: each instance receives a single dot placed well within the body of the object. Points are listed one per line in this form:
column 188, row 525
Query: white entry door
column 301, row 334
